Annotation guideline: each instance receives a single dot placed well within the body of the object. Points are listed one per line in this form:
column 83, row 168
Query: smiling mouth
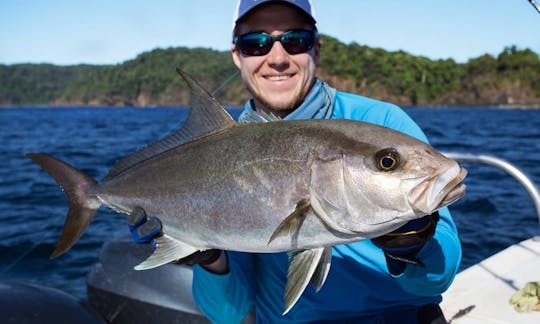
column 279, row 77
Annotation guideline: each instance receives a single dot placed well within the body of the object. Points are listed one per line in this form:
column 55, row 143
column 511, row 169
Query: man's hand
column 203, row 258
column 145, row 229
column 401, row 246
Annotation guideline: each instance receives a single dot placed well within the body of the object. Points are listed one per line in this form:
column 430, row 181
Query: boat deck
column 481, row 293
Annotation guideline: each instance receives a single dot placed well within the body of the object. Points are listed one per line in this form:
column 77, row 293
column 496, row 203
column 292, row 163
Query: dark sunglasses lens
column 254, row 44
column 298, row 41
column 294, row 42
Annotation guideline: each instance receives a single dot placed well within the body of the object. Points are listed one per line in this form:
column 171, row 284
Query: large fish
column 300, row 186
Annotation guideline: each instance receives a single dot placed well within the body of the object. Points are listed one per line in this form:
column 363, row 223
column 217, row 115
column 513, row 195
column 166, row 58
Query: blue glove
column 144, row 229
column 401, row 246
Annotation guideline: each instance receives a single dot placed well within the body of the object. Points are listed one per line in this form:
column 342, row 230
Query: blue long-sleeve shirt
column 358, row 285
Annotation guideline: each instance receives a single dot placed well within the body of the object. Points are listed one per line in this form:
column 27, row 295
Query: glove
column 145, row 229
column 401, row 246
column 202, row 258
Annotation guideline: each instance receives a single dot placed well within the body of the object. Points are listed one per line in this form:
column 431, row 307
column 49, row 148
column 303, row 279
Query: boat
column 482, row 292
column 119, row 294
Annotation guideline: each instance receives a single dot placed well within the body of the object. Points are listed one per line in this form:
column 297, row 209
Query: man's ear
column 318, row 46
column 235, row 56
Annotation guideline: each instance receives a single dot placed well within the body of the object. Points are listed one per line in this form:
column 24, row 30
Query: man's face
column 278, row 81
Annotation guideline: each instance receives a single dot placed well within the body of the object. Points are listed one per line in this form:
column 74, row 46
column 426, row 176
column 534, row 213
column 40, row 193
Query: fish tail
column 82, row 206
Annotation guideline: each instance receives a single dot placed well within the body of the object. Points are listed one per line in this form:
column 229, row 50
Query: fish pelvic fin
column 82, row 206
column 168, row 249
column 306, row 266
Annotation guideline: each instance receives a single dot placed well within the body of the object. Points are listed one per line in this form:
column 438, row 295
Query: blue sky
column 112, row 31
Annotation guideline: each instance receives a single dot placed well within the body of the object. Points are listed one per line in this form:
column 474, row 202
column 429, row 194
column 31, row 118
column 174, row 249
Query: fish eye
column 387, row 159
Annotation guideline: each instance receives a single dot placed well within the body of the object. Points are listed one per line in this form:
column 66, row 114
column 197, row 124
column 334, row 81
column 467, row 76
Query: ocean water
column 495, row 213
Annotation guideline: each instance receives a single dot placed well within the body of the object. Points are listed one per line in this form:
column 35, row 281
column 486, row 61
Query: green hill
column 510, row 78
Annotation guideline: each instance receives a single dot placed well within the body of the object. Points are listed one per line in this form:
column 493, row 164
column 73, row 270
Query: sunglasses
column 257, row 44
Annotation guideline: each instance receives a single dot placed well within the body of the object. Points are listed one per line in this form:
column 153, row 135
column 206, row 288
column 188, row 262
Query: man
column 397, row 278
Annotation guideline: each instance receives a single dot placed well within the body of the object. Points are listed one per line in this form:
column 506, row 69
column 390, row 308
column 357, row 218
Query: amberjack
column 300, row 186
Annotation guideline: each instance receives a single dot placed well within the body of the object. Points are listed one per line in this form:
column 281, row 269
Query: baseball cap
column 245, row 6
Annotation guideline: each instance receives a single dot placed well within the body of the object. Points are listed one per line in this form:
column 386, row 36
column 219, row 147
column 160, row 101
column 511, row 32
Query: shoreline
column 41, row 106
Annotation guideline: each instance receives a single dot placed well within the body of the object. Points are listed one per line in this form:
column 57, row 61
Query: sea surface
column 495, row 213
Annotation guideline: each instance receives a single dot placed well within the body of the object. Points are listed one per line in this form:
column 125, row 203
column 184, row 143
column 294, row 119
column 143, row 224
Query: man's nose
column 277, row 56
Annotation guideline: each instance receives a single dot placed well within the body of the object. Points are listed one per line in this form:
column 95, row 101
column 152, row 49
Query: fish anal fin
column 292, row 223
column 303, row 266
column 167, row 250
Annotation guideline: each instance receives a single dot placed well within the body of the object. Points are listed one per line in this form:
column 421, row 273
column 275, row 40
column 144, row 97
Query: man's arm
column 225, row 297
column 440, row 255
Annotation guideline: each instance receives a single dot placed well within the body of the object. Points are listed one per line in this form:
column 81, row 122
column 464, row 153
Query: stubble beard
column 279, row 109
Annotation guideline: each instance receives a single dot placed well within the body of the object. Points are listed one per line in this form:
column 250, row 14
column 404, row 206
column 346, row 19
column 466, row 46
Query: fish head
column 375, row 189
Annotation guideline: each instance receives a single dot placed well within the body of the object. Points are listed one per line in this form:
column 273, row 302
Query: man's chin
column 282, row 106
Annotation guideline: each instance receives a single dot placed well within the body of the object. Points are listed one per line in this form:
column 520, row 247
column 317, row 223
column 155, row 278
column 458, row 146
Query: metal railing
column 527, row 183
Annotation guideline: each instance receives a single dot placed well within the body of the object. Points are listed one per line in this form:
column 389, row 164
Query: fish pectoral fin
column 167, row 250
column 306, row 266
column 292, row 223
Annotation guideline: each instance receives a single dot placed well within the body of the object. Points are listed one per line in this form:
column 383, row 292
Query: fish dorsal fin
column 206, row 115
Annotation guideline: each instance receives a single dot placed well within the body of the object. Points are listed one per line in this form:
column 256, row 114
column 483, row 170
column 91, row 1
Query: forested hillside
column 511, row 78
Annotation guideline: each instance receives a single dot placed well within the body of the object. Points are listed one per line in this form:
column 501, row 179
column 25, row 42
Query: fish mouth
column 439, row 191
